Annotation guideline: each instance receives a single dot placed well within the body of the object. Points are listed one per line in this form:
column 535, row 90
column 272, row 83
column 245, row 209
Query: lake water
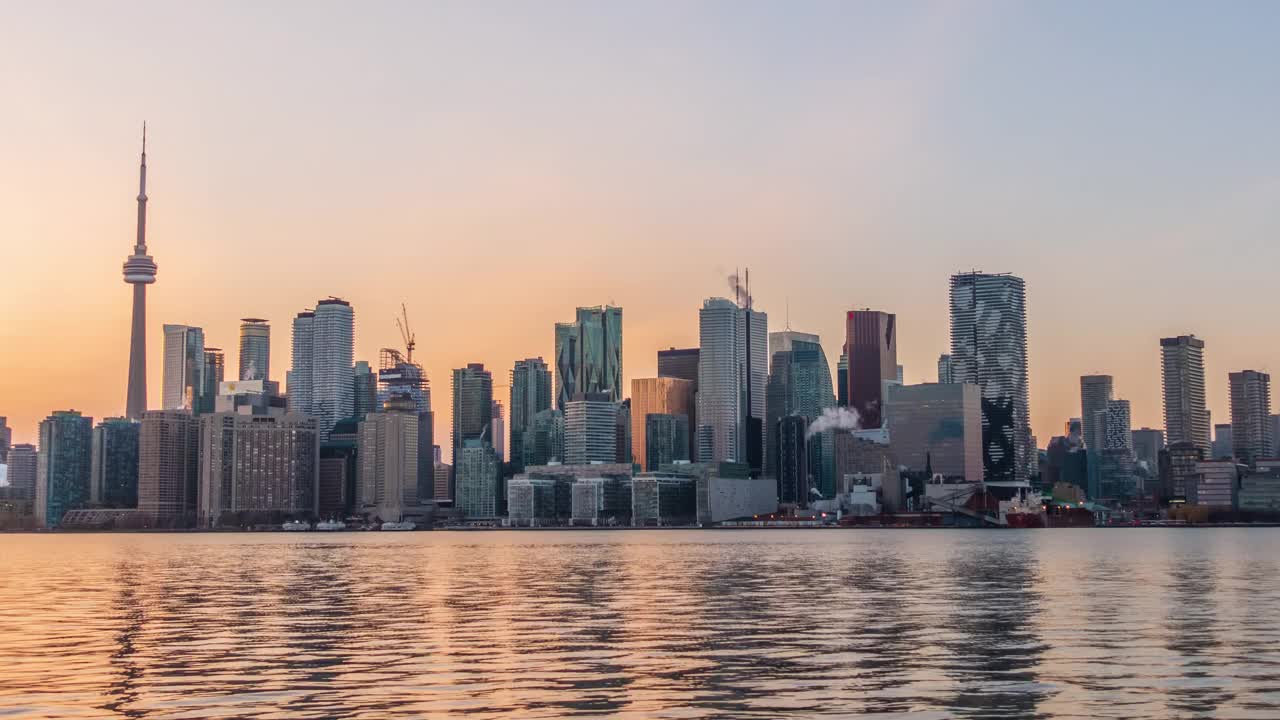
column 640, row 624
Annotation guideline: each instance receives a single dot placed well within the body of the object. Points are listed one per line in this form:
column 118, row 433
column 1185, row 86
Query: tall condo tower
column 255, row 349
column 1182, row 380
column 989, row 349
column 139, row 271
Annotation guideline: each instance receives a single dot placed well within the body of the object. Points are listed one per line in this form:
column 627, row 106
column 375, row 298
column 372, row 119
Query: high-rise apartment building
column 530, row 395
column 168, row 473
column 1095, row 392
column 938, row 427
column 63, row 466
column 184, row 367
column 389, row 457
column 113, row 475
column 989, row 349
column 791, row 459
column 1182, row 379
column 255, row 349
column 477, row 480
column 298, row 379
column 590, row 429
column 498, row 430
column 871, row 342
column 544, row 440
column 658, row 396
column 945, row 375
column 139, row 271
column 1251, row 433
column 254, row 468
column 589, row 354
column 472, row 405
column 215, row 365
column 1222, row 447
column 733, row 371
column 321, row 382
column 23, row 473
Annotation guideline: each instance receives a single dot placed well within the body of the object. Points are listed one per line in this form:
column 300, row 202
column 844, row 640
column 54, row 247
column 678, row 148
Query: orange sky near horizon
column 494, row 170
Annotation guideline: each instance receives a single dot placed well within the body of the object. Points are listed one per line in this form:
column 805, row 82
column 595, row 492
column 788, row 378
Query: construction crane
column 405, row 333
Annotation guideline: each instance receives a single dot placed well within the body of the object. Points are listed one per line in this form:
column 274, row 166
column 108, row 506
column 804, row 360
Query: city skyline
column 233, row 190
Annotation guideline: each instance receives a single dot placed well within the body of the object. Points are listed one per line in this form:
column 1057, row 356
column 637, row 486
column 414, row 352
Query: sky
column 493, row 165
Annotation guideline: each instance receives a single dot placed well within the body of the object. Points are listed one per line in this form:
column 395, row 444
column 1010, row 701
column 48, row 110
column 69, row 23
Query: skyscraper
column 472, row 405
column 139, row 271
column 184, row 368
column 945, row 376
column 1251, row 435
column 23, row 472
column 255, row 349
column 478, row 479
column 389, row 457
column 6, row 437
column 989, row 349
column 298, row 379
column 332, row 388
column 255, row 468
column 871, row 341
column 1114, row 430
column 215, row 365
column 1095, row 392
column 733, row 369
column 666, row 440
column 800, row 384
column 679, row 363
column 589, row 354
column 63, row 466
column 791, row 460
column 590, row 429
column 1182, row 379
column 938, row 426
column 365, row 390
column 113, row 475
column 662, row 396
column 168, row 479
column 498, row 430
column 530, row 395
column 842, row 379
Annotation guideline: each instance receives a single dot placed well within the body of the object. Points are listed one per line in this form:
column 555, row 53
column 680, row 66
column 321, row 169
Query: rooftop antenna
column 788, row 315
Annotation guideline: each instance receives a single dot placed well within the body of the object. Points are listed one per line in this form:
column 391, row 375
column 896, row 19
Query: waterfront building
column 538, row 501
column 726, row 491
column 389, row 461
column 255, row 349
column 63, row 466
column 1259, row 494
column 256, row 469
column 661, row 499
column 1182, row 380
column 364, row 390
column 443, row 483
column 733, row 368
column 589, row 354
column 338, row 490
column 139, row 271
column 666, row 440
column 1178, row 470
column 530, row 395
column 478, row 480
column 871, row 342
column 23, row 464
column 472, row 405
column 1251, row 435
column 945, row 374
column 601, row 501
column 666, row 396
column 590, row 429
column 1216, row 484
column 1095, row 392
column 938, row 427
column 168, row 477
column 184, row 368
column 113, row 475
column 989, row 349
column 861, row 453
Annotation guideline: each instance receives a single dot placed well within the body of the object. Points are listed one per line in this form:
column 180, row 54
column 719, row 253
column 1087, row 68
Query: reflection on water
column 640, row 624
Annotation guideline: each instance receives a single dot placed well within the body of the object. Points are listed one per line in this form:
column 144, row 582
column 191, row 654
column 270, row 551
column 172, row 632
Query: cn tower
column 139, row 271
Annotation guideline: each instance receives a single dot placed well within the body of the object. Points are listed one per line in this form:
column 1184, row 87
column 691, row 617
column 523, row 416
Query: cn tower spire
column 139, row 271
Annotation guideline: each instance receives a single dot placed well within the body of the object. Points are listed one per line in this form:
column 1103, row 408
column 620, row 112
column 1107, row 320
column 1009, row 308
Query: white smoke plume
column 835, row 418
